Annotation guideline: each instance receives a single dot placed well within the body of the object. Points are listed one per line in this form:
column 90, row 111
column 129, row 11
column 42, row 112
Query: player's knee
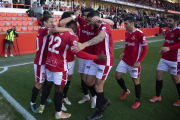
column 88, row 83
column 117, row 76
column 69, row 77
column 59, row 88
column 136, row 81
column 38, row 85
column 158, row 77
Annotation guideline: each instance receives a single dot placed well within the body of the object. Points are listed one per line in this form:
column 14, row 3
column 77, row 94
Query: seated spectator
column 45, row 12
column 1, row 5
column 31, row 12
column 50, row 12
column 60, row 7
column 50, row 3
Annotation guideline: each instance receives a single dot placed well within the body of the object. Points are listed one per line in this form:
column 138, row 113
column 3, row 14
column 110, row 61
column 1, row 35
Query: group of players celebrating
column 56, row 47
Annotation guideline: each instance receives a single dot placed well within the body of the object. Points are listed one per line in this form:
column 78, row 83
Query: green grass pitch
column 19, row 81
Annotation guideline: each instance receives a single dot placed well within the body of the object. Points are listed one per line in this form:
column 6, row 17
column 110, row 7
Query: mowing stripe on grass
column 16, row 105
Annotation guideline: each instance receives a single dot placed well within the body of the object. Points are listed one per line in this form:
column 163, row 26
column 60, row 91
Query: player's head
column 47, row 21
column 172, row 20
column 129, row 23
column 14, row 28
column 72, row 24
column 90, row 16
column 87, row 11
column 65, row 15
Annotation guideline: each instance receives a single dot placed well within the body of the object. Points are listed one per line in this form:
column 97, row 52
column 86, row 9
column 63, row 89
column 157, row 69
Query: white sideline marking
column 122, row 46
column 16, row 105
column 5, row 69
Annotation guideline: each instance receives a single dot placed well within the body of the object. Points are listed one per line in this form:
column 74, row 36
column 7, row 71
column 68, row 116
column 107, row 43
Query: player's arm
column 108, row 21
column 66, row 20
column 59, row 30
column 80, row 46
column 143, row 41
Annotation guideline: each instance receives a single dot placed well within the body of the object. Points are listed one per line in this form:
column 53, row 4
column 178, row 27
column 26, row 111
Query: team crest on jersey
column 133, row 37
column 172, row 35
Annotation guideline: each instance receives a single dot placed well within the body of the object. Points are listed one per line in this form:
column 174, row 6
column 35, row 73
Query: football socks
column 92, row 90
column 58, row 101
column 100, row 100
column 66, row 89
column 138, row 91
column 45, row 93
column 178, row 89
column 35, row 92
column 122, row 84
column 159, row 85
column 85, row 88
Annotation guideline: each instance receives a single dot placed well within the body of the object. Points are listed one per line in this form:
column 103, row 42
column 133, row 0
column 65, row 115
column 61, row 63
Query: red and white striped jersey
column 134, row 42
column 42, row 46
column 172, row 40
column 106, row 46
column 57, row 51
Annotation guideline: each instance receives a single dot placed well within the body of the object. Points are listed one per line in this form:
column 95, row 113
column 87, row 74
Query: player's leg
column 48, row 100
column 60, row 80
column 39, row 71
column 70, row 73
column 175, row 74
column 81, row 67
column 120, row 71
column 91, row 80
column 101, row 103
column 160, row 72
column 10, row 49
column 135, row 75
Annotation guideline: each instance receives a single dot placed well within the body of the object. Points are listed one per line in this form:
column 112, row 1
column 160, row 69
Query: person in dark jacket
column 31, row 12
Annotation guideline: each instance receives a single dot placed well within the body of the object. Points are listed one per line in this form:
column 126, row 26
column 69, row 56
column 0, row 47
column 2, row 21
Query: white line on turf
column 17, row 106
column 4, row 70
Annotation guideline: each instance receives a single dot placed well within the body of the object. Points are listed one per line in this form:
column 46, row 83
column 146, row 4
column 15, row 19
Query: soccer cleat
column 34, row 108
column 93, row 102
column 48, row 100
column 67, row 101
column 177, row 103
column 155, row 98
column 108, row 102
column 135, row 105
column 5, row 56
column 11, row 55
column 41, row 108
column 63, row 108
column 124, row 94
column 84, row 100
column 62, row 116
column 95, row 116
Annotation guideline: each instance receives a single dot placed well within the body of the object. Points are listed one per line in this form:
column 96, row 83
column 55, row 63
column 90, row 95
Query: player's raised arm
column 108, row 21
column 59, row 30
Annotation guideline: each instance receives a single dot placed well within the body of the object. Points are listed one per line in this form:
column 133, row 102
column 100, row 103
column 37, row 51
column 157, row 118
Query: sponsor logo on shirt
column 87, row 32
column 172, row 35
column 87, row 67
column 130, row 44
column 133, row 37
column 170, row 41
column 100, row 70
column 51, row 62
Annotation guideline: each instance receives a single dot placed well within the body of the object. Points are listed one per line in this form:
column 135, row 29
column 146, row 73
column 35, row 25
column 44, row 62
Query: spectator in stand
column 15, row 2
column 42, row 2
column 31, row 12
column 1, row 5
column 39, row 21
column 50, row 12
column 60, row 7
column 50, row 3
column 27, row 2
column 45, row 12
column 115, row 19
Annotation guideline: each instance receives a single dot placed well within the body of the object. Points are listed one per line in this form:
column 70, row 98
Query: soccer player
column 131, row 59
column 86, row 34
column 41, row 54
column 170, row 58
column 99, row 70
column 57, row 68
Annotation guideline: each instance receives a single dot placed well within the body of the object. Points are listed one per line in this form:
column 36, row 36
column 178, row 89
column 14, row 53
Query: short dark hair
column 89, row 9
column 71, row 22
column 45, row 18
column 130, row 19
column 93, row 13
column 66, row 15
column 174, row 17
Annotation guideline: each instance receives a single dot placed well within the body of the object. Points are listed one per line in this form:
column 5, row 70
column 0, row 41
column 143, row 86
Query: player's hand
column 164, row 49
column 77, row 13
column 101, row 57
column 70, row 30
column 77, row 47
column 121, row 56
column 136, row 64
column 96, row 18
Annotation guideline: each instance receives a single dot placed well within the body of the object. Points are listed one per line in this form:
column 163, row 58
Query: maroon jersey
column 57, row 51
column 70, row 55
column 134, row 42
column 172, row 40
column 86, row 34
column 106, row 46
column 42, row 46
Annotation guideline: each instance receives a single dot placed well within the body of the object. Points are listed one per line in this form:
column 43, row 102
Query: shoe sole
column 84, row 101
